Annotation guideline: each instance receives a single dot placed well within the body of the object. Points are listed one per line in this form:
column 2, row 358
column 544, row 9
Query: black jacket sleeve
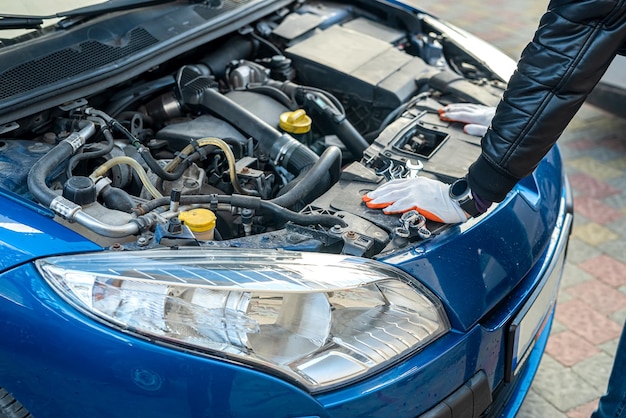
column 572, row 48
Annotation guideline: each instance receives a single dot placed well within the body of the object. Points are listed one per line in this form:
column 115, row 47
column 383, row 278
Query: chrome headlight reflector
column 319, row 319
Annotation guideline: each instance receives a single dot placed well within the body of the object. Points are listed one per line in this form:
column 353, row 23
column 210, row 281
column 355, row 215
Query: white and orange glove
column 429, row 197
column 477, row 117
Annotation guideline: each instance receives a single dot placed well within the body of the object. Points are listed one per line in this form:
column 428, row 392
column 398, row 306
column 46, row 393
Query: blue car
column 182, row 231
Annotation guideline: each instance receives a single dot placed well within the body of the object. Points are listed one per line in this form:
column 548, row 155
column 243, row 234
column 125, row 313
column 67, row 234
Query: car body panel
column 489, row 262
column 28, row 232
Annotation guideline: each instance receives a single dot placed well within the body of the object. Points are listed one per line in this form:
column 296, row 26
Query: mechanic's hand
column 428, row 197
column 477, row 117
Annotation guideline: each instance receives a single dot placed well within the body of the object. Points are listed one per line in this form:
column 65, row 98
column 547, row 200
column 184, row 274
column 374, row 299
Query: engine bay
column 267, row 137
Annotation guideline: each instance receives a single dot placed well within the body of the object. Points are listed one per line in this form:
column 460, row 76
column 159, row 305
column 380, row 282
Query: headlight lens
column 320, row 319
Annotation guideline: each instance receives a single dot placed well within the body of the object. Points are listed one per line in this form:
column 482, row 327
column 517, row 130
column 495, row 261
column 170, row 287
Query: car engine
column 263, row 138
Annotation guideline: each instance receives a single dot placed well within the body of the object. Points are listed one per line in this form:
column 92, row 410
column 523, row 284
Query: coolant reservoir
column 200, row 221
column 296, row 123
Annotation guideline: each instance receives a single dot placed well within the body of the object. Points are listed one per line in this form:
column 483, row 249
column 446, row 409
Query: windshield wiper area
column 11, row 21
column 111, row 6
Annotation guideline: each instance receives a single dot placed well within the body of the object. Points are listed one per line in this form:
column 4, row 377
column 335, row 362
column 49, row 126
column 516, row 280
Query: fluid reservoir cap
column 296, row 122
column 80, row 190
column 198, row 220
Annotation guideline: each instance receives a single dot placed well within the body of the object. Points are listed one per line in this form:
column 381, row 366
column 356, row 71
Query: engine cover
column 367, row 67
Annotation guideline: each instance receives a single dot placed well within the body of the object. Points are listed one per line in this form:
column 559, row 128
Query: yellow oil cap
column 296, row 122
column 198, row 220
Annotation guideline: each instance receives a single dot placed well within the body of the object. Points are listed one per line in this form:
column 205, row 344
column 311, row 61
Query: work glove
column 477, row 117
column 428, row 197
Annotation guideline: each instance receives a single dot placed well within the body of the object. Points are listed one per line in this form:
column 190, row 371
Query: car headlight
column 320, row 319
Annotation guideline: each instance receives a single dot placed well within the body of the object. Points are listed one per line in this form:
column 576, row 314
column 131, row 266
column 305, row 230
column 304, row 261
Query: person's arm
column 572, row 48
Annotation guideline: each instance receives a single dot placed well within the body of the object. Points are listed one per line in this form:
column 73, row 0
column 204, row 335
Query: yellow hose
column 143, row 176
column 171, row 166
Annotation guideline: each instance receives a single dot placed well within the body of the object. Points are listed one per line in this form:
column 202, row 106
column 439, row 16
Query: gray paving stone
column 609, row 347
column 595, row 371
column 618, row 182
column 557, row 327
column 561, row 387
column 617, row 201
column 570, row 153
column 570, row 169
column 579, row 218
column 619, row 316
column 588, row 113
column 576, row 193
column 579, row 251
column 536, row 406
column 618, row 226
column 563, row 296
column 573, row 275
column 601, row 154
column 615, row 249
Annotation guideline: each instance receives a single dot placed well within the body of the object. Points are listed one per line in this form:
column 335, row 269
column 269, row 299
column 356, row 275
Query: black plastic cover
column 369, row 68
column 80, row 190
column 469, row 401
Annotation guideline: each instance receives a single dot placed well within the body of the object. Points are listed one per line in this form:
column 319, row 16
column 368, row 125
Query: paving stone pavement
column 591, row 308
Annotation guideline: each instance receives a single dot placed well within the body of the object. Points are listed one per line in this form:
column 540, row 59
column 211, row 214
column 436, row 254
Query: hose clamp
column 64, row 208
column 285, row 149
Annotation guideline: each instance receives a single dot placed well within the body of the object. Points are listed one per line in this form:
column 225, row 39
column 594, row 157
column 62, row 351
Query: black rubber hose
column 300, row 218
column 249, row 202
column 233, row 49
column 117, row 199
column 159, row 171
column 236, row 145
column 271, row 208
column 329, row 108
column 149, row 159
column 42, row 168
column 310, row 185
column 293, row 155
column 77, row 158
column 39, row 172
column 274, row 93
column 137, row 94
column 332, row 110
column 351, row 138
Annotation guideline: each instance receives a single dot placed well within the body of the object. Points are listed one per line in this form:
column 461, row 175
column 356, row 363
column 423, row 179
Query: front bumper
column 528, row 334
column 58, row 362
